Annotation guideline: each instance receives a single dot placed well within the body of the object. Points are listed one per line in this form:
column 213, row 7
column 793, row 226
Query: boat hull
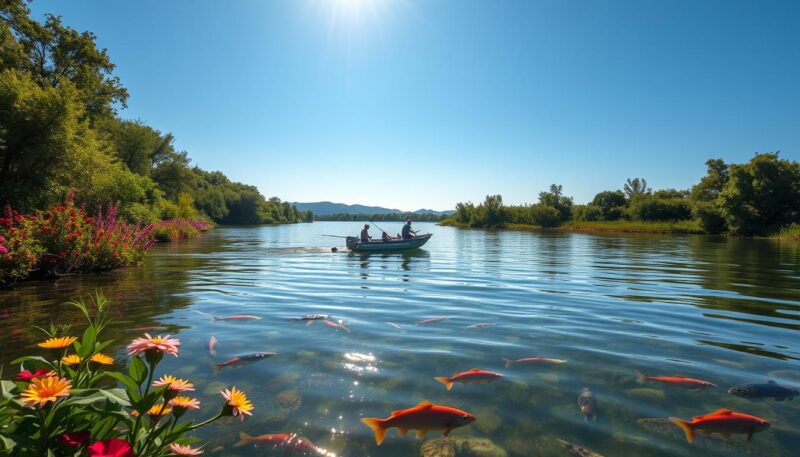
column 393, row 245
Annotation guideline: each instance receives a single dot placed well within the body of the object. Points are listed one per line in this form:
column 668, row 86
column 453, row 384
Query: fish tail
column 508, row 362
column 244, row 439
column 686, row 427
column 641, row 378
column 446, row 381
column 377, row 427
column 215, row 318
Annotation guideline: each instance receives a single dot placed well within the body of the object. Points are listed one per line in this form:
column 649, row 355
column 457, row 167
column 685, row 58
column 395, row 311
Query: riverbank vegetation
column 60, row 130
column 385, row 217
column 759, row 198
column 60, row 402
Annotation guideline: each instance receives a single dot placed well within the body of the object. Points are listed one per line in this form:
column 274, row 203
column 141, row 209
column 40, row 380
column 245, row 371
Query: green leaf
column 8, row 389
column 116, row 396
column 7, row 443
column 102, row 427
column 137, row 370
column 133, row 394
column 100, row 346
column 87, row 342
column 36, row 358
column 123, row 378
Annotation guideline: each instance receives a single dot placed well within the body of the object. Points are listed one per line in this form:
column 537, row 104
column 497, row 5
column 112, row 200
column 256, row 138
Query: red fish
column 431, row 320
column 680, row 381
column 424, row 417
column 235, row 317
column 723, row 421
column 290, row 442
column 212, row 345
column 336, row 325
column 474, row 375
column 533, row 360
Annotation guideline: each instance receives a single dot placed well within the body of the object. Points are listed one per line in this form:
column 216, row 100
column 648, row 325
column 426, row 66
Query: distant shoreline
column 682, row 227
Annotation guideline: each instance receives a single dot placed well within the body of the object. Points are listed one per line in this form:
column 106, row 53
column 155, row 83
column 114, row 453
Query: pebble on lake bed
column 289, row 400
column 461, row 447
column 578, row 451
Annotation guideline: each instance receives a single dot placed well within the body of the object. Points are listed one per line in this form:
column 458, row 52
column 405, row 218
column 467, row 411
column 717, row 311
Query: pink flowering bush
column 65, row 239
column 178, row 229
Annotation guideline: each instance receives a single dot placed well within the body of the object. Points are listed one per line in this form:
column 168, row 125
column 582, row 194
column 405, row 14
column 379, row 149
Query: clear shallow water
column 723, row 310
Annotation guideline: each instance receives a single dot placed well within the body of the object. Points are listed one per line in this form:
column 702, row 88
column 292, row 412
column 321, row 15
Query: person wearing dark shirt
column 407, row 232
column 386, row 237
column 365, row 238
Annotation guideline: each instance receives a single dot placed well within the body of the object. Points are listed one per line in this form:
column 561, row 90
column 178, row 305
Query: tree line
column 386, row 217
column 60, row 130
column 760, row 197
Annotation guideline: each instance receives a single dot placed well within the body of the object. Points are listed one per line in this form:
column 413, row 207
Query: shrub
column 545, row 216
column 64, row 240
column 611, row 205
column 179, row 229
column 647, row 208
column 80, row 415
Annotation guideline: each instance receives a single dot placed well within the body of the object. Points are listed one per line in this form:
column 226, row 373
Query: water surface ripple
column 722, row 309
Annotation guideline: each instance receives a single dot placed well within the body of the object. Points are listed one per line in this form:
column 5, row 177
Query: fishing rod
column 335, row 236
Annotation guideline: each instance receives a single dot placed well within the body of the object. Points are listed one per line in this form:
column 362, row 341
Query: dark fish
column 480, row 326
column 244, row 359
column 588, row 404
column 312, row 317
column 769, row 389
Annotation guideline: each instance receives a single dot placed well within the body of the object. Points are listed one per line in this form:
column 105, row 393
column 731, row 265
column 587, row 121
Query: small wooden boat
column 354, row 244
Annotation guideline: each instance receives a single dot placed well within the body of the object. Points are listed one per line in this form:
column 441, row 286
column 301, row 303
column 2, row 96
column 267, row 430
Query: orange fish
column 290, row 442
column 474, row 375
column 533, row 360
column 424, row 417
column 680, row 381
column 723, row 421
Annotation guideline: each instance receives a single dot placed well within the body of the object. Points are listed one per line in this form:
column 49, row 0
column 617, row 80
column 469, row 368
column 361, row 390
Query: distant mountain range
column 329, row 208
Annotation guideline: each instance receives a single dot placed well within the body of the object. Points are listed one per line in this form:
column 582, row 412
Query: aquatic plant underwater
column 66, row 403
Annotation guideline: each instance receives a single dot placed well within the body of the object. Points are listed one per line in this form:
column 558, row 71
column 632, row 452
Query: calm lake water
column 721, row 309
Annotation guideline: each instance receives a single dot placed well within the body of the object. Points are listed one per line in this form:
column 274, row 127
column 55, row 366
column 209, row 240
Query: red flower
column 74, row 439
column 114, row 447
column 27, row 376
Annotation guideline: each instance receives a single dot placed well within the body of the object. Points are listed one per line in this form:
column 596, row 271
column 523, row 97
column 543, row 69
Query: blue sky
column 412, row 104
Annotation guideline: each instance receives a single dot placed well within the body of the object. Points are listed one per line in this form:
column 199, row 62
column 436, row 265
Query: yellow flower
column 43, row 390
column 58, row 343
column 71, row 359
column 238, row 402
column 102, row 359
column 185, row 403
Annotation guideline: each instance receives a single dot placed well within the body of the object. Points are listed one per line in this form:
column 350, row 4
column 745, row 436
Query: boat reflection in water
column 388, row 260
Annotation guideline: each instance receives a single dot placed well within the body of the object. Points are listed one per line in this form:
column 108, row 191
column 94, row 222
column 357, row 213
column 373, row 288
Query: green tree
column 762, row 195
column 611, row 205
column 556, row 199
column 636, row 187
column 704, row 195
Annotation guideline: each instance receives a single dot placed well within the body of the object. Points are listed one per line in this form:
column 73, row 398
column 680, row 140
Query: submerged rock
column 461, row 447
column 647, row 394
column 214, row 388
column 578, row 451
column 289, row 400
column 489, row 420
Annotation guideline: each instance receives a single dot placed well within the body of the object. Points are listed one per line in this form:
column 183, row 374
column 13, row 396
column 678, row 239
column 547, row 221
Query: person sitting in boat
column 365, row 238
column 385, row 237
column 408, row 234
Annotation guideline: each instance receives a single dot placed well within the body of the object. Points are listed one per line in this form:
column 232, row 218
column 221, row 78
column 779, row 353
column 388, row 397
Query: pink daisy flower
column 165, row 344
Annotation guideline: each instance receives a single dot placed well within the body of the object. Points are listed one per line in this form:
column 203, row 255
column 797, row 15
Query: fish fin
column 424, row 404
column 446, row 432
column 475, row 369
column 724, row 411
column 641, row 378
column 421, row 433
column 771, row 382
column 686, row 427
column 508, row 362
column 446, row 381
column 377, row 427
column 402, row 431
column 309, row 323
column 215, row 318
column 244, row 439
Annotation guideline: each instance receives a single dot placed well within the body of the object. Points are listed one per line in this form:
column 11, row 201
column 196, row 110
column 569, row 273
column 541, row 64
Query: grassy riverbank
column 791, row 232
column 604, row 226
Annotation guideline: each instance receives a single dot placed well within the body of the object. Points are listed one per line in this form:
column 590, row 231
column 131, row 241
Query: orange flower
column 58, row 343
column 102, row 359
column 155, row 411
column 184, row 403
column 238, row 402
column 174, row 384
column 158, row 343
column 71, row 359
column 43, row 390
